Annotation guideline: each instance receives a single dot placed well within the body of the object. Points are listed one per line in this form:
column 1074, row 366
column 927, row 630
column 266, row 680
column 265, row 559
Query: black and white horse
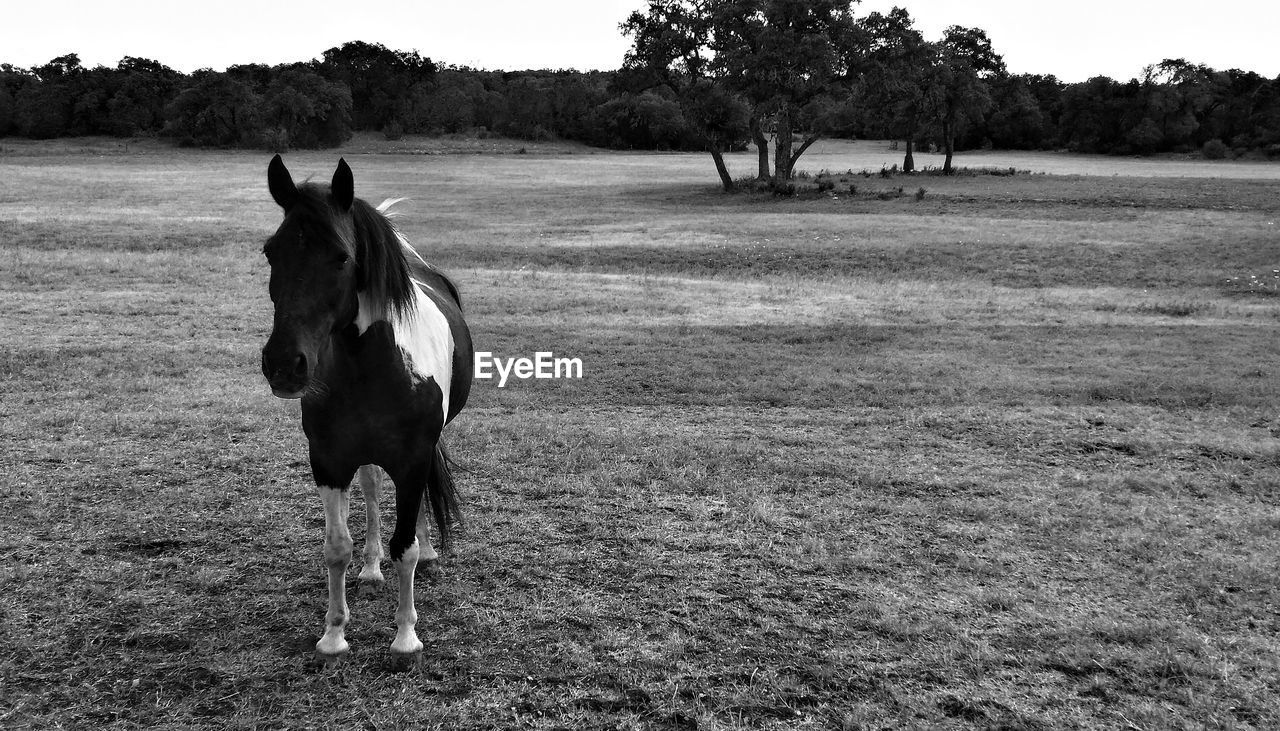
column 372, row 339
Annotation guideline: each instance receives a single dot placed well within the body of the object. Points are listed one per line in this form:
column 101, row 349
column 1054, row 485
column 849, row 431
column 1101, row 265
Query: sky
column 1072, row 40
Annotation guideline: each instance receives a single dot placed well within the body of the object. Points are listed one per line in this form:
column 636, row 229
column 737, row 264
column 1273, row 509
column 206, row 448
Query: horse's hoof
column 366, row 589
column 406, row 642
column 333, row 644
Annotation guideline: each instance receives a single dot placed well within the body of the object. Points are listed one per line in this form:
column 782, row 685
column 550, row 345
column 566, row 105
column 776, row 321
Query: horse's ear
column 280, row 182
column 343, row 187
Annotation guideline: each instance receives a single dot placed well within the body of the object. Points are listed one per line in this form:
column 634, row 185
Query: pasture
column 1005, row 456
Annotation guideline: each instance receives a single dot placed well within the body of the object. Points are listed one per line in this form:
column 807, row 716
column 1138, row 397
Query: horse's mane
column 382, row 270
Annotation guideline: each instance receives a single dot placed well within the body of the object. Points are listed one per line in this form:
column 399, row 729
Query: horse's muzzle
column 286, row 372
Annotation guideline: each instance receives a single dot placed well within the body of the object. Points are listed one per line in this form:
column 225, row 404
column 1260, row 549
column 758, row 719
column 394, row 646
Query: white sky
column 1073, row 40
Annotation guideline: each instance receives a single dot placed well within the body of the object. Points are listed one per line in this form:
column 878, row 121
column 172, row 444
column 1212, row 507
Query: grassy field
column 1004, row 456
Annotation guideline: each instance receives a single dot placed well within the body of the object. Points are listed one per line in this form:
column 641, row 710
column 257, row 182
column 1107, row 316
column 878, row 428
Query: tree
column 1145, row 138
column 307, row 110
column 671, row 47
column 381, row 80
column 893, row 82
column 781, row 56
column 957, row 89
column 1179, row 95
column 214, row 110
column 785, row 57
column 143, row 88
column 12, row 81
column 1016, row 121
column 450, row 106
column 530, row 108
column 6, row 110
column 43, row 109
column 720, row 118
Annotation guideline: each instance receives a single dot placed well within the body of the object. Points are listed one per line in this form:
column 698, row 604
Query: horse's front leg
column 337, row 556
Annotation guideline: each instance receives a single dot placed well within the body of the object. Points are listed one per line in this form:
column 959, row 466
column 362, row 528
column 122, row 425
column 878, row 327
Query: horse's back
column 432, row 277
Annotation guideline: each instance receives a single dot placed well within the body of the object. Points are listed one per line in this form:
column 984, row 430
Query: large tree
column 784, row 57
column 894, row 78
column 1179, row 96
column 144, row 87
column 788, row 58
column 957, row 83
column 45, row 109
column 381, row 80
column 672, row 47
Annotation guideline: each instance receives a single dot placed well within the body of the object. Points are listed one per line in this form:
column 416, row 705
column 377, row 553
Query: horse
column 371, row 338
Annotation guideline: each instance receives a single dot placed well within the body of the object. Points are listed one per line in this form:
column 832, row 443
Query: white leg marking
column 337, row 555
column 371, row 485
column 406, row 641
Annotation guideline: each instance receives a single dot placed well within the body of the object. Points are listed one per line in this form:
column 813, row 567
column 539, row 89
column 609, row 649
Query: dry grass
column 1004, row 457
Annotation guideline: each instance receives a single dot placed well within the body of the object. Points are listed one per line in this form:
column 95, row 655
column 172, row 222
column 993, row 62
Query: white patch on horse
column 426, row 341
column 422, row 333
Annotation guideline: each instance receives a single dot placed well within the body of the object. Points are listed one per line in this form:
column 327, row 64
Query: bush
column 393, row 131
column 1145, row 137
column 782, row 188
column 1214, row 149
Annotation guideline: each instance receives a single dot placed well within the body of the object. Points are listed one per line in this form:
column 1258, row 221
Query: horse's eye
column 341, row 261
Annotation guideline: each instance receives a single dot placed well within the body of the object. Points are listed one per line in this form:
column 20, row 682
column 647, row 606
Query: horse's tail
column 441, row 494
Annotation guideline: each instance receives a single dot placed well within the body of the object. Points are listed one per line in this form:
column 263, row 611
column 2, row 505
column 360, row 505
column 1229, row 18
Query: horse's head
column 313, row 275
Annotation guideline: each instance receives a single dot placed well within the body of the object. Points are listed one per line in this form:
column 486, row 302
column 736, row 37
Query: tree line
column 319, row 103
column 710, row 75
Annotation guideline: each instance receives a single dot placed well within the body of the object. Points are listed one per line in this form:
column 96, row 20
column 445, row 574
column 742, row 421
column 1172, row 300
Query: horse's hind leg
column 337, row 556
column 404, row 555
column 371, row 485
column 429, row 560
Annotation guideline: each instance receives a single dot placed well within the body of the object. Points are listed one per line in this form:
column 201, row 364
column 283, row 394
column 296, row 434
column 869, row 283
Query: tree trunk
column 718, row 155
column 909, row 161
column 803, row 146
column 949, row 145
column 782, row 148
column 762, row 149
